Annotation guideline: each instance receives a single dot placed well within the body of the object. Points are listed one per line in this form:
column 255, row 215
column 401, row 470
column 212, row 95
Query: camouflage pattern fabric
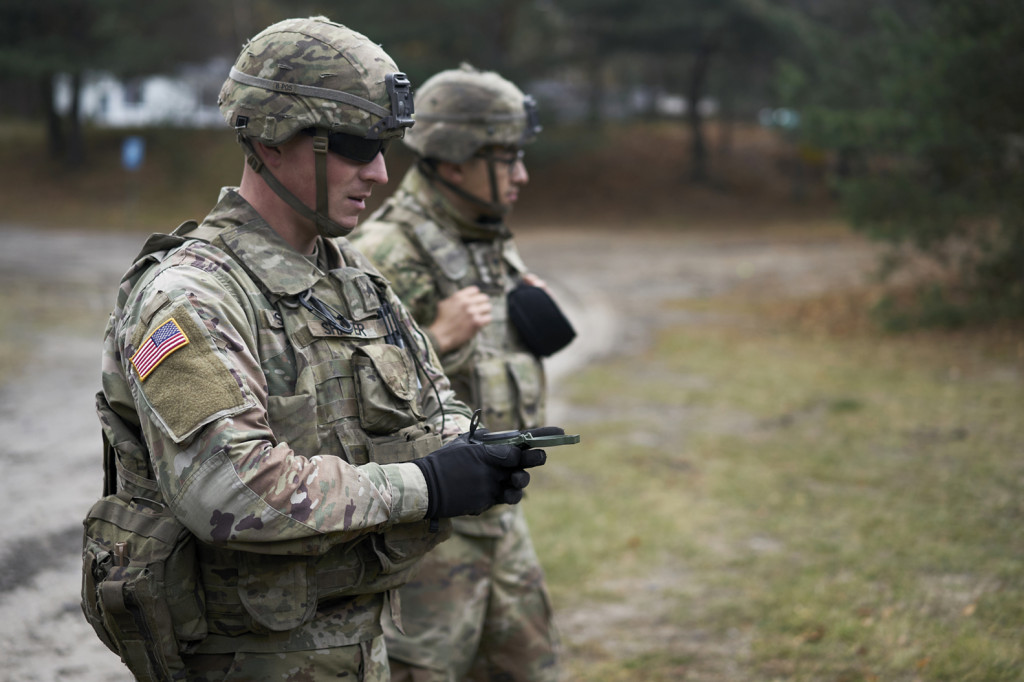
column 308, row 52
column 428, row 252
column 460, row 111
column 367, row 661
column 478, row 601
column 256, row 431
column 478, row 610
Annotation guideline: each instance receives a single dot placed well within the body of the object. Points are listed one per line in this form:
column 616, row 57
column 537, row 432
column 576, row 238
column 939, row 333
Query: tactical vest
column 361, row 392
column 494, row 372
column 498, row 374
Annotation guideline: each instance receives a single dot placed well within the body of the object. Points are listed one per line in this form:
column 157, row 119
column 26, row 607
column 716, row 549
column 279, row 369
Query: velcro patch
column 164, row 340
column 192, row 387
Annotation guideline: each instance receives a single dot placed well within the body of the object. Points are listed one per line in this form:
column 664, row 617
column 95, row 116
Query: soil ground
column 614, row 246
column 612, row 283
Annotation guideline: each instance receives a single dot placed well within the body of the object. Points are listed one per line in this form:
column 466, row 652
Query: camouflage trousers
column 476, row 610
column 363, row 662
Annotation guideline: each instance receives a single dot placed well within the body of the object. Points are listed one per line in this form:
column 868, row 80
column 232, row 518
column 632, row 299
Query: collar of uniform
column 282, row 270
column 443, row 212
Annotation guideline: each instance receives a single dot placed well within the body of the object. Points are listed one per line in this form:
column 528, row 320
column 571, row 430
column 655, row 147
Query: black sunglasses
column 353, row 147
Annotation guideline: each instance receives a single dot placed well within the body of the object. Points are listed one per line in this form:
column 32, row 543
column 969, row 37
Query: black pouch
column 541, row 325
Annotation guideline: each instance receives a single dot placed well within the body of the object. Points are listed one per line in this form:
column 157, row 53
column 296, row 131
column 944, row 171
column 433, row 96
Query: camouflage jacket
column 428, row 251
column 276, row 436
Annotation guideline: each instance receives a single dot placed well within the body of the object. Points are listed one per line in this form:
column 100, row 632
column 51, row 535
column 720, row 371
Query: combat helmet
column 314, row 75
column 464, row 111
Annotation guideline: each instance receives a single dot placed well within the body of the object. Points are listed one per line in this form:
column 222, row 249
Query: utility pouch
column 385, row 388
column 141, row 591
column 540, row 323
column 139, row 585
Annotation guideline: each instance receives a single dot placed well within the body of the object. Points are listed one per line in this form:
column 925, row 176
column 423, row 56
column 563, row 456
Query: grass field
column 777, row 497
column 774, row 490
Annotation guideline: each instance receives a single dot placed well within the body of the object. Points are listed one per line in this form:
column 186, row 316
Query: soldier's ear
column 272, row 156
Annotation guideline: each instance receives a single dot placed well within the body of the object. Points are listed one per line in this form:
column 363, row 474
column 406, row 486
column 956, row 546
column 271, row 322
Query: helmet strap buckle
column 320, row 143
column 252, row 159
column 254, row 162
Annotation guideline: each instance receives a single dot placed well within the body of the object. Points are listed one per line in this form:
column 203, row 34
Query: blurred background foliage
column 911, row 109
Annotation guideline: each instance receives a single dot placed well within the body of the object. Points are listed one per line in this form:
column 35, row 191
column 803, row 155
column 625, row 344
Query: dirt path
column 612, row 285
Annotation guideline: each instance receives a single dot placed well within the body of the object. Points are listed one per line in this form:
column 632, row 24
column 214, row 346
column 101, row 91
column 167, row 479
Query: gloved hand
column 467, row 477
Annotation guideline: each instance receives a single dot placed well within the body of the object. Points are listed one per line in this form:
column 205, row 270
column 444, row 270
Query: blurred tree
column 693, row 47
column 678, row 41
column 424, row 38
column 42, row 38
column 928, row 102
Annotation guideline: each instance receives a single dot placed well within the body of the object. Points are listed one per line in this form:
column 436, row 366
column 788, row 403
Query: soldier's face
column 509, row 174
column 349, row 183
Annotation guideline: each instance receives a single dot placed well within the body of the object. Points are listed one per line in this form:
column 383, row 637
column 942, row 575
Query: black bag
column 541, row 325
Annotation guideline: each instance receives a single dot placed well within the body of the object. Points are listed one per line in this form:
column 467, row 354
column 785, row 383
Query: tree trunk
column 55, row 141
column 698, row 78
column 507, row 13
column 726, row 128
column 595, row 105
column 76, row 145
column 242, row 21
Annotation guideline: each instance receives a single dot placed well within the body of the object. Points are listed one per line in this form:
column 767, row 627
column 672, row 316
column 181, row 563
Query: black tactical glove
column 469, row 477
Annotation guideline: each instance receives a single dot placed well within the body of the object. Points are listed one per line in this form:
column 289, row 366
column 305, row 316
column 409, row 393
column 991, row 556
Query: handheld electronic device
column 526, row 438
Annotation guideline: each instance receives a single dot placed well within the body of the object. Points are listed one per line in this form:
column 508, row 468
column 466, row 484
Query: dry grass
column 578, row 177
column 786, row 493
column 178, row 179
column 776, row 491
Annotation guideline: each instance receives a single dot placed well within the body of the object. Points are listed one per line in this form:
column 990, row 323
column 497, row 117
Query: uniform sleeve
column 203, row 410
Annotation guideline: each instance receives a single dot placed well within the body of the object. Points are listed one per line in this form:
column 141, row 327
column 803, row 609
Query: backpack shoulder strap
column 125, row 456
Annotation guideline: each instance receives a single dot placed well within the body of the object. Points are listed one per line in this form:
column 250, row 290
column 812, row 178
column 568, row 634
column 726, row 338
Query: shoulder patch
column 164, row 340
column 192, row 385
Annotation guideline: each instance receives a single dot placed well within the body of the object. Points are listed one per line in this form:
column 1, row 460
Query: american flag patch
column 165, row 340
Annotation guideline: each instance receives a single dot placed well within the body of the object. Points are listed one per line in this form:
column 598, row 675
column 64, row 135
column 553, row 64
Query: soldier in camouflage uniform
column 277, row 390
column 478, row 607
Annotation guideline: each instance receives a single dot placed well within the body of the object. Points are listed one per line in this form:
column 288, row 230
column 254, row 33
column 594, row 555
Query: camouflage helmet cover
column 463, row 110
column 313, row 73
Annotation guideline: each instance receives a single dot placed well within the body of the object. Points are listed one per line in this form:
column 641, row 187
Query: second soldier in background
column 478, row 608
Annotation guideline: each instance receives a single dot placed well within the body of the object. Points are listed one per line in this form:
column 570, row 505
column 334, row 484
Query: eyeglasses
column 508, row 157
column 353, row 147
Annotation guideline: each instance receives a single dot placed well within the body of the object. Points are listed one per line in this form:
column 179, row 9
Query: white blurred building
column 187, row 100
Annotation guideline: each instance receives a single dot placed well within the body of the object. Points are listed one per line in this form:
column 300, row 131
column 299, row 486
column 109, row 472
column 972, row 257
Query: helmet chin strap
column 494, row 208
column 320, row 217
